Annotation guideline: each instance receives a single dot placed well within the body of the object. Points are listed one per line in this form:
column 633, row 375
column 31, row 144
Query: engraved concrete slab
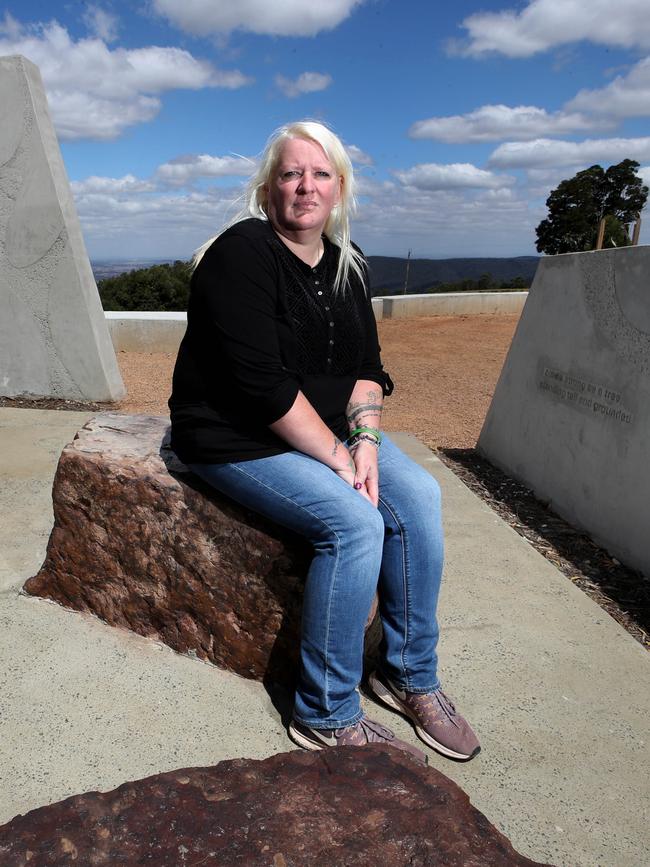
column 54, row 341
column 570, row 415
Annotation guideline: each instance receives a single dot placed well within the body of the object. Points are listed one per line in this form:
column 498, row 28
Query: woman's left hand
column 366, row 477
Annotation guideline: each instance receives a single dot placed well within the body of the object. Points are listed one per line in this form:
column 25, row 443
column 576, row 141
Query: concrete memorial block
column 54, row 341
column 570, row 415
column 141, row 542
column 352, row 806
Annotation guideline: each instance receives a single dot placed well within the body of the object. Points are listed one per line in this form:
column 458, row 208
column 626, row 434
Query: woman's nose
column 306, row 182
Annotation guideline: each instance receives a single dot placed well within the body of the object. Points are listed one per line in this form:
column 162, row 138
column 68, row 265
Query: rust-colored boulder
column 347, row 806
column 142, row 543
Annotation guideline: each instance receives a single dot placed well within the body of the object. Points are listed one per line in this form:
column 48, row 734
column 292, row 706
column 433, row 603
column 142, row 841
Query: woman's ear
column 339, row 194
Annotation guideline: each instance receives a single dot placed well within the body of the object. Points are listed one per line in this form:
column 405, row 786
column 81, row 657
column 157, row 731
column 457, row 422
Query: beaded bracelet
column 367, row 430
column 354, row 441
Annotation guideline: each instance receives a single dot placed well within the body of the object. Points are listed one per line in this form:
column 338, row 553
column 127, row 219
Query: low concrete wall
column 162, row 332
column 450, row 304
column 146, row 331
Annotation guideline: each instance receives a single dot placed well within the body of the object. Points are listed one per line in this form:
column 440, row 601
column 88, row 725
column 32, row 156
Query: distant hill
column 105, row 268
column 387, row 273
column 157, row 284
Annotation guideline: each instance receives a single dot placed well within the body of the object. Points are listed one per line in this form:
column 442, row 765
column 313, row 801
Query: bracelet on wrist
column 354, row 441
column 366, row 430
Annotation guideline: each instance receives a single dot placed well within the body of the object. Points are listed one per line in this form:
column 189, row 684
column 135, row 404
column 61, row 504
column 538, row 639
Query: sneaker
column 366, row 731
column 436, row 720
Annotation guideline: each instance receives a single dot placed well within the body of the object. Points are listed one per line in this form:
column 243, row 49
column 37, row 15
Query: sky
column 459, row 117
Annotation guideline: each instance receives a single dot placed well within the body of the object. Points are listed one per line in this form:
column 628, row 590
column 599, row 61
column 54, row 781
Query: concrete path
column 557, row 691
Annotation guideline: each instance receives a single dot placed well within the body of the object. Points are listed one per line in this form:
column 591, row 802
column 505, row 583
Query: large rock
column 142, row 543
column 347, row 806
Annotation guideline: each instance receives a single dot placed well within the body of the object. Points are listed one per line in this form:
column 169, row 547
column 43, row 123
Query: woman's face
column 303, row 189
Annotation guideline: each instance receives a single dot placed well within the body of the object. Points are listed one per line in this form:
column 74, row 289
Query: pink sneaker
column 366, row 731
column 436, row 720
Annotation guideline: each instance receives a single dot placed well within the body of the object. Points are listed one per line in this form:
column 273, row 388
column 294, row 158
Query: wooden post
column 406, row 278
column 637, row 230
column 601, row 234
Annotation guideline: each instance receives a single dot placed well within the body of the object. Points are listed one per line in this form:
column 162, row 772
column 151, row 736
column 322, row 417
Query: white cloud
column 590, row 110
column 85, row 115
column 96, row 92
column 123, row 218
column 112, row 186
column 392, row 220
column 128, row 225
column 493, row 122
column 100, row 23
column 306, row 82
column 543, row 24
column 445, row 223
column 626, row 96
column 276, row 18
column 548, row 152
column 185, row 169
column 358, row 157
column 435, row 176
column 10, row 26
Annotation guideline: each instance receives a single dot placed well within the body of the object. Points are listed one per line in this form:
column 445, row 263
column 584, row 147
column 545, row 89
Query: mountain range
column 388, row 273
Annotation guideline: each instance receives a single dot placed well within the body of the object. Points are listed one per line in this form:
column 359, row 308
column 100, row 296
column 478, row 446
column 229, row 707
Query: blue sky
column 460, row 117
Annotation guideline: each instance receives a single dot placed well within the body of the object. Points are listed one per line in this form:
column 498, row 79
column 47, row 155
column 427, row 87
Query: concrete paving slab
column 556, row 689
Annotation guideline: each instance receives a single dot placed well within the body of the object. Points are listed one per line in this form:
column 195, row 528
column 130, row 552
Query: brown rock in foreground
column 142, row 543
column 346, row 806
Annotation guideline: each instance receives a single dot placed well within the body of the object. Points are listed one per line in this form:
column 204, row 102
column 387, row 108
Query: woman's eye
column 323, row 174
column 292, row 173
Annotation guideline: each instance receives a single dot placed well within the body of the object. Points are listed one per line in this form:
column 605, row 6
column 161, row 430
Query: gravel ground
column 445, row 370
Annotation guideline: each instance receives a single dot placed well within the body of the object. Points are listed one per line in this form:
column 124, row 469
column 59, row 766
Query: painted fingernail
column 358, row 486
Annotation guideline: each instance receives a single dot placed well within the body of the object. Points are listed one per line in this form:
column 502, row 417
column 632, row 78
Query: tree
column 577, row 205
column 485, row 282
column 161, row 287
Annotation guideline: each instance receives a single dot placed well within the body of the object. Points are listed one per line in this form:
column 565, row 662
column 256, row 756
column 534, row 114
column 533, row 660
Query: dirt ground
column 445, row 369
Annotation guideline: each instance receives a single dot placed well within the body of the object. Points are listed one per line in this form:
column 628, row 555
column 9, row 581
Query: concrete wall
column 570, row 415
column 163, row 332
column 145, row 331
column 451, row 304
column 53, row 336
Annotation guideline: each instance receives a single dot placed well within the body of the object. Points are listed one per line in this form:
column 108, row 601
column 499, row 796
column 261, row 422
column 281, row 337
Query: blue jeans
column 395, row 550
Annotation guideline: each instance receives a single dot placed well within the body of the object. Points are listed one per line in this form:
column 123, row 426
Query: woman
column 276, row 402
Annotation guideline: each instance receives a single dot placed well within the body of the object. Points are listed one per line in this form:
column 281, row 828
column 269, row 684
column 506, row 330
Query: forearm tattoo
column 365, row 413
column 335, row 449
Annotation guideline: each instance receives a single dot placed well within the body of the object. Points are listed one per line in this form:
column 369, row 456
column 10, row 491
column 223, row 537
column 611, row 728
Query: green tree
column 161, row 287
column 485, row 282
column 577, row 205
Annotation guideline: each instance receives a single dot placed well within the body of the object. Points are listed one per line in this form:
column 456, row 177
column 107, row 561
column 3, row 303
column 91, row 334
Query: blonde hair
column 337, row 227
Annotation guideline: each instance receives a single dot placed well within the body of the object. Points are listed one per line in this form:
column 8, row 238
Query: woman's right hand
column 348, row 475
column 306, row 432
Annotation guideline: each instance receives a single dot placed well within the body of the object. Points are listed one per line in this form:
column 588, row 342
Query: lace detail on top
column 328, row 328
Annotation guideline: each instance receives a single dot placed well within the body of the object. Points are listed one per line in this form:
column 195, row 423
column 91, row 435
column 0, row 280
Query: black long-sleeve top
column 262, row 326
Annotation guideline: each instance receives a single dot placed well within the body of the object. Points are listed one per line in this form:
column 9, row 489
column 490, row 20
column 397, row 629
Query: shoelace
column 373, row 731
column 447, row 705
